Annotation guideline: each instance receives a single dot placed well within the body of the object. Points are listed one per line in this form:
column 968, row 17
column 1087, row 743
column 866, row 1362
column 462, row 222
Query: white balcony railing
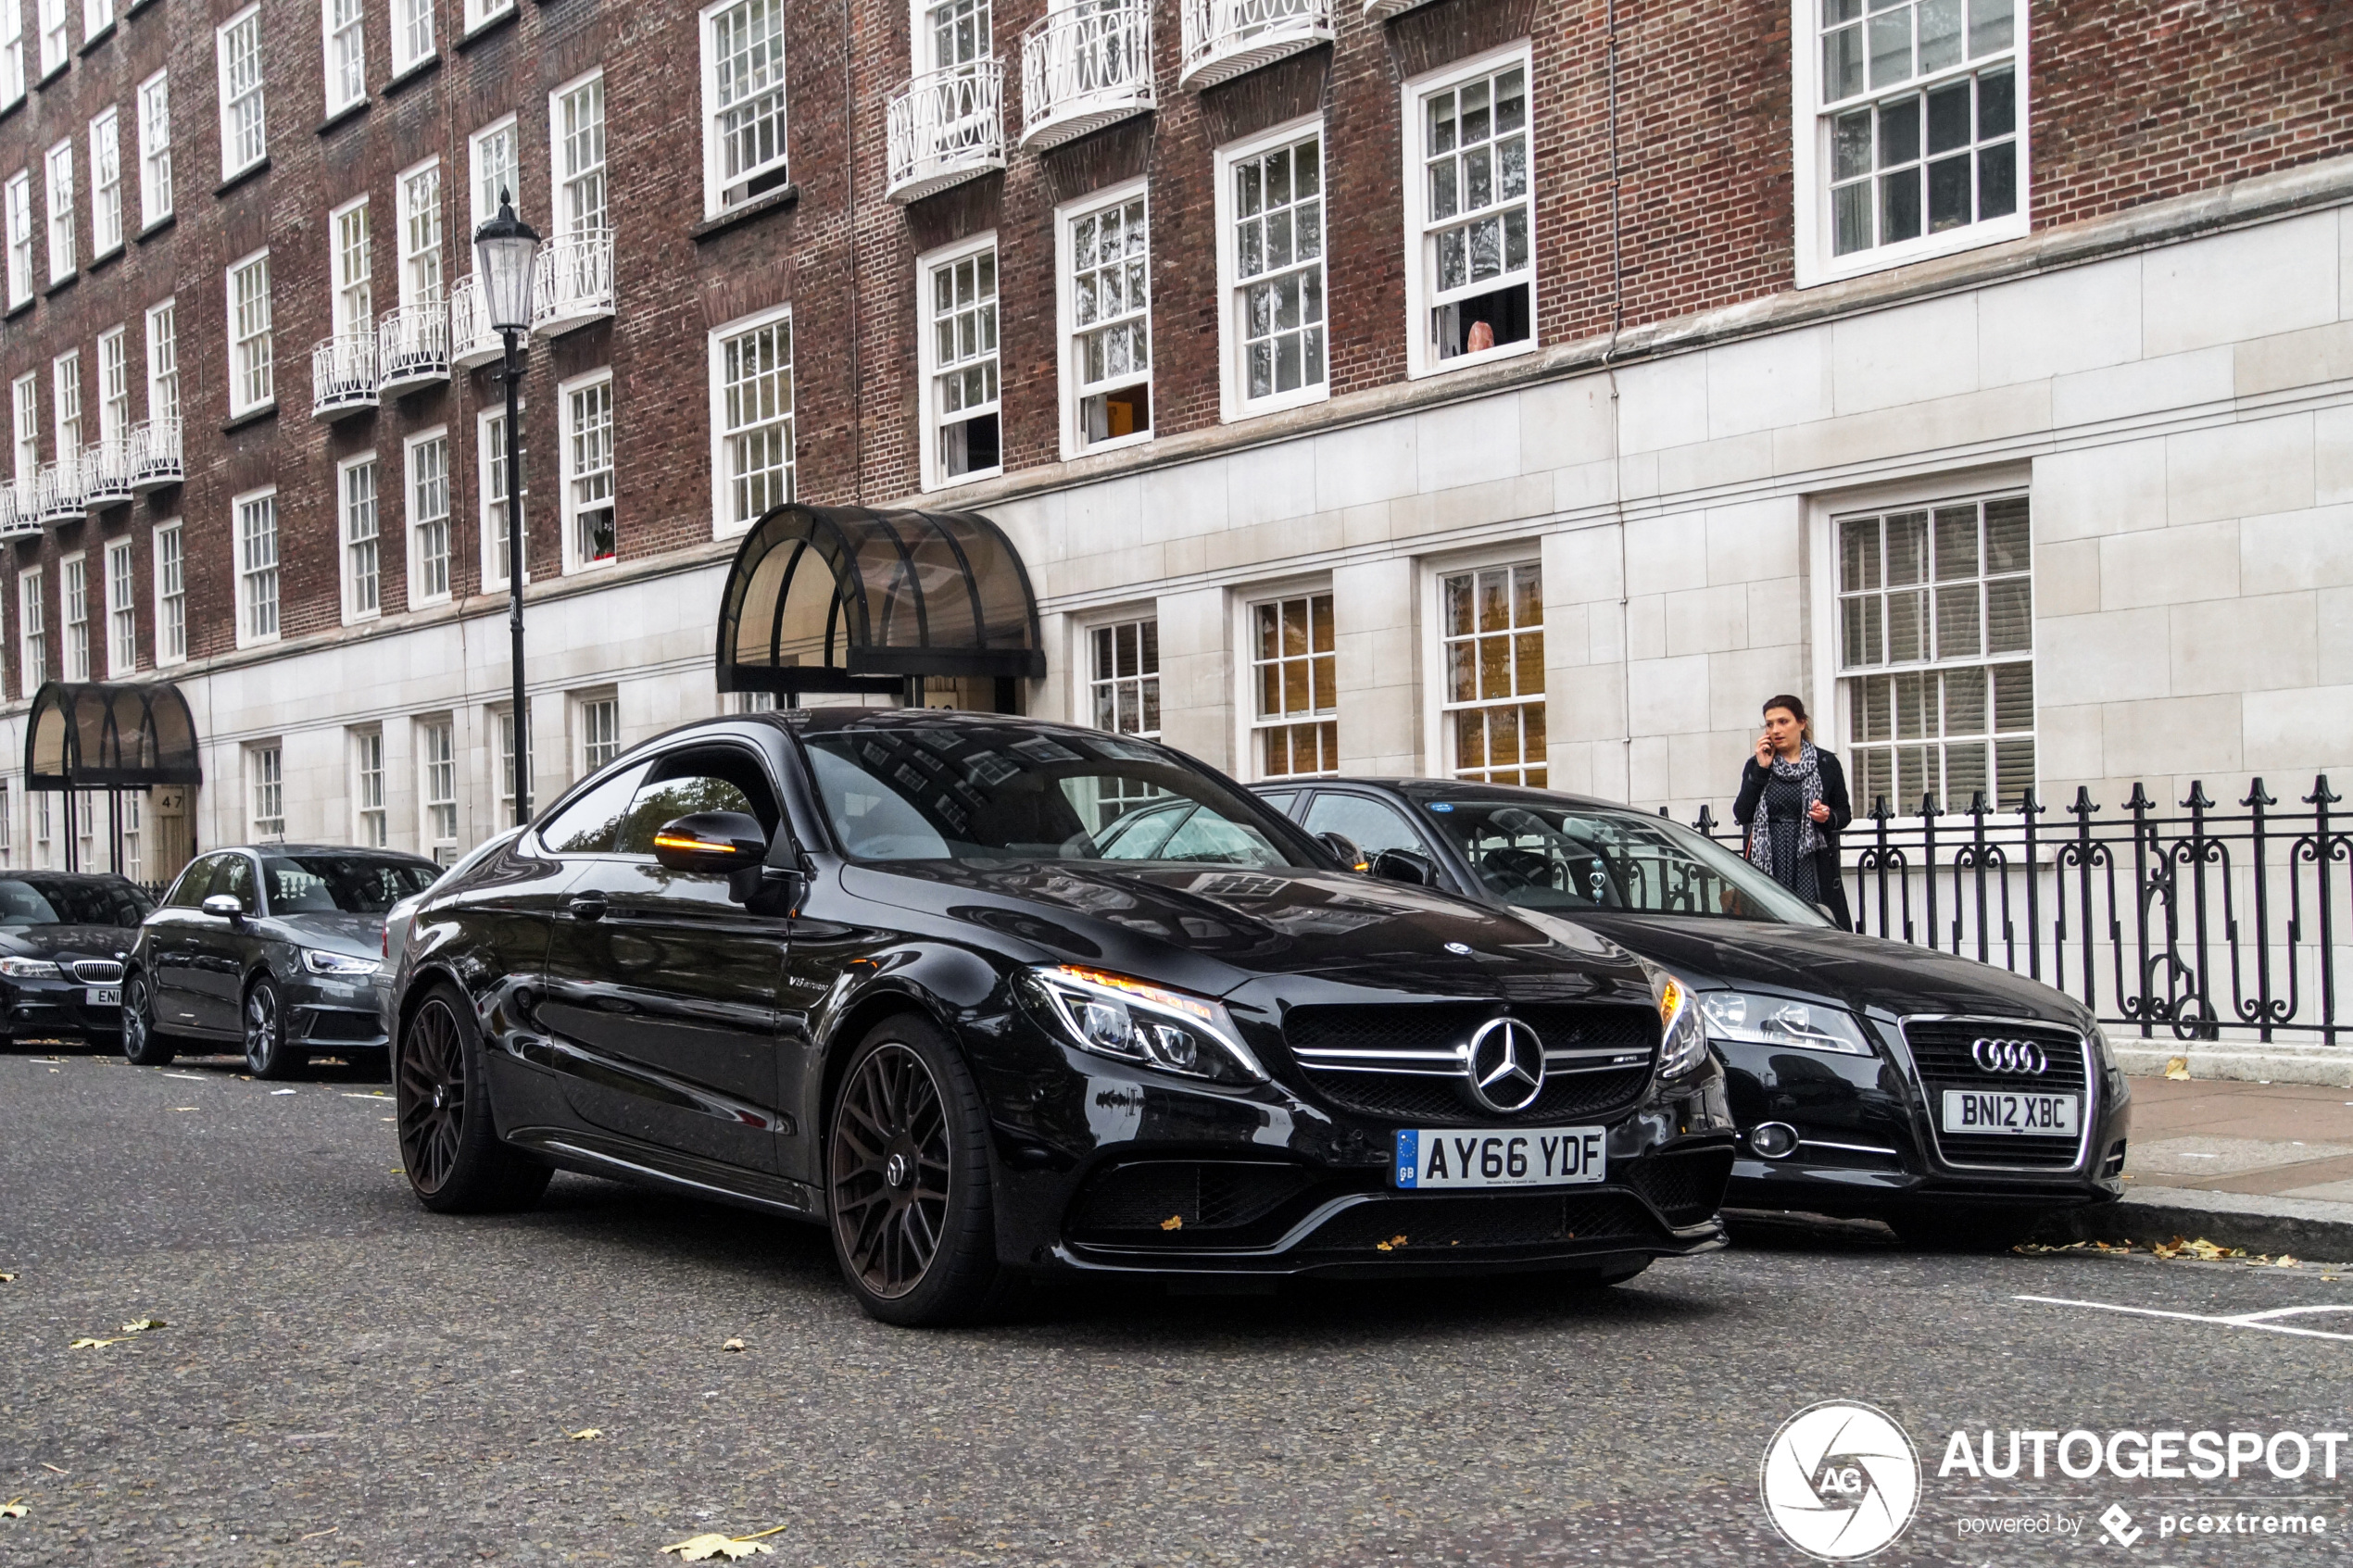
column 1381, row 10
column 412, row 348
column 471, row 342
column 573, row 284
column 1084, row 67
column 154, row 455
column 947, row 127
column 105, row 472
column 1224, row 38
column 18, row 517
column 56, row 491
column 343, row 374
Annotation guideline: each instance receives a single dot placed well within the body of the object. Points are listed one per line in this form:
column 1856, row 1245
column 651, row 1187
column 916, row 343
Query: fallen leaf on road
column 2285, row 1261
column 1174, row 1222
column 85, row 1343
column 316, row 1534
column 7, row 1279
column 2037, row 1248
column 2201, row 1249
column 2178, row 1069
column 143, row 1324
column 13, row 1509
column 348, row 1094
column 184, row 1108
column 732, row 1345
column 586, row 1434
column 701, row 1548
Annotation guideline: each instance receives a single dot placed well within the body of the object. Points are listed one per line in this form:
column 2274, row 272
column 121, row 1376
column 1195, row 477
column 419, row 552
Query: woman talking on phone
column 1793, row 802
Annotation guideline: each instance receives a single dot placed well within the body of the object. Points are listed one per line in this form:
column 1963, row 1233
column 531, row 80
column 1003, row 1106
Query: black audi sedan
column 63, row 939
column 272, row 948
column 901, row 972
column 1959, row 1102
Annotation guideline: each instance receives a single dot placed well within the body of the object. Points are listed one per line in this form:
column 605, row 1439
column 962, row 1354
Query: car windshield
column 1567, row 859
column 354, row 885
column 979, row 791
column 62, row 901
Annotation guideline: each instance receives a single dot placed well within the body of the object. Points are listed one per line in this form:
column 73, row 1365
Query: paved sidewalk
column 2282, row 1140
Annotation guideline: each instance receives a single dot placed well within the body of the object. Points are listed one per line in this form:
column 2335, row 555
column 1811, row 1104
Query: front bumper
column 333, row 1016
column 38, row 1008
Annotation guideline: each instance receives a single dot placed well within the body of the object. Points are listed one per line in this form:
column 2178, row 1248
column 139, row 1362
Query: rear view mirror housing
column 1405, row 866
column 226, row 906
column 714, row 842
column 1344, row 850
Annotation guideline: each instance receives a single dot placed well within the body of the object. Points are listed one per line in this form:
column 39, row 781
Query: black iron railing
column 2194, row 922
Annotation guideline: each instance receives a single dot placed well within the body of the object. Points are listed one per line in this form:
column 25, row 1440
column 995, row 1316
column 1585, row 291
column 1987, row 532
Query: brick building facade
column 1756, row 301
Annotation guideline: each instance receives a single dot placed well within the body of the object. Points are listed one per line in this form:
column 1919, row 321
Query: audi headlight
column 1682, row 1043
column 319, row 961
column 29, row 969
column 2102, row 1048
column 1135, row 1021
column 1776, row 1021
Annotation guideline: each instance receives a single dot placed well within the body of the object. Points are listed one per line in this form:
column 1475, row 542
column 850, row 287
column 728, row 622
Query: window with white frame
column 490, row 449
column 73, row 600
column 1914, row 145
column 244, row 138
column 752, row 419
column 1271, row 225
column 411, row 33
column 62, row 258
column 1294, row 681
column 743, row 48
column 958, row 355
column 56, row 43
column 114, row 387
column 1471, row 213
column 25, row 411
column 952, row 35
column 503, row 723
column 37, row 804
column 576, row 125
column 342, row 24
column 437, row 787
column 20, row 200
column 590, row 537
column 155, row 150
column 1122, row 682
column 135, row 814
column 65, row 403
column 429, row 518
column 123, row 610
column 172, row 594
column 86, row 826
column 105, row 184
column 266, row 773
column 1936, row 653
column 163, row 362
column 421, row 235
column 32, row 634
column 251, row 377
column 493, row 170
column 1106, row 300
column 8, row 825
column 353, row 302
column 362, row 563
column 97, row 17
column 599, row 719
column 370, row 827
column 256, row 518
column 1492, row 643
column 12, row 73
column 480, row 13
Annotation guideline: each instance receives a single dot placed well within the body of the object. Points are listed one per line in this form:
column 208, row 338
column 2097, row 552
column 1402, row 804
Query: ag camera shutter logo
column 1840, row 1480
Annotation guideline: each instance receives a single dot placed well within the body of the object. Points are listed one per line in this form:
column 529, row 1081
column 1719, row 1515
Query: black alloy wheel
column 450, row 1145
column 141, row 1047
column 267, row 1053
column 914, row 1226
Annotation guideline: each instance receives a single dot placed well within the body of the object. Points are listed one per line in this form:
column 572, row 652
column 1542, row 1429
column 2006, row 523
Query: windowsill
column 1484, row 357
column 487, row 26
column 155, row 227
column 251, row 415
column 231, row 182
column 97, row 38
column 12, row 106
column 356, row 105
column 361, row 617
column 956, row 481
column 54, row 72
column 584, row 568
column 436, row 602
column 243, row 644
column 1885, row 259
column 423, row 64
column 1109, row 444
column 105, row 257
column 1280, row 403
column 782, row 198
column 19, row 309
column 59, row 285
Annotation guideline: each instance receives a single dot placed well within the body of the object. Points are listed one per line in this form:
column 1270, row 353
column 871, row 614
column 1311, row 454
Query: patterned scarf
column 1807, row 772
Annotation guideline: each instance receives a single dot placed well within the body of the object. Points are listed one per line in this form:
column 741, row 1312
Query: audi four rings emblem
column 1505, row 1065
column 2008, row 1056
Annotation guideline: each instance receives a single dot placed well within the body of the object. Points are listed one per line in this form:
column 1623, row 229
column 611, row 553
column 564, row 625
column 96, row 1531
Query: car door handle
column 586, row 906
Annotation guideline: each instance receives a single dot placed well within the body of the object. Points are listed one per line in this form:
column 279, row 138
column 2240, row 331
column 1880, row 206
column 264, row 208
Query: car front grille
column 1136, row 1202
column 1687, row 1188
column 1420, row 1226
column 97, row 972
column 1404, row 1062
column 1942, row 1051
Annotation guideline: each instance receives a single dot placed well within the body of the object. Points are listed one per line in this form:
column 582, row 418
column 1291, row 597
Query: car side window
column 235, row 878
column 1371, row 825
column 1280, row 799
column 589, row 824
column 194, row 884
column 703, row 779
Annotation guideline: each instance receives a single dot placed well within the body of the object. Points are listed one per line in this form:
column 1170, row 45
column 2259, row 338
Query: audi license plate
column 104, row 997
column 1535, row 1157
column 2000, row 1112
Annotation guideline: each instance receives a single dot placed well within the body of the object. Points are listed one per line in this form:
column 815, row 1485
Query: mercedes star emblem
column 1504, row 1066
column 2008, row 1056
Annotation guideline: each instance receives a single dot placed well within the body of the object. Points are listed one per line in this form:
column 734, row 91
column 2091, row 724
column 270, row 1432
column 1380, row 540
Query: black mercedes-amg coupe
column 918, row 976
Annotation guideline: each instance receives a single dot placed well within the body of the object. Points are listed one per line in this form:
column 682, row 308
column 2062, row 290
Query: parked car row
column 993, row 999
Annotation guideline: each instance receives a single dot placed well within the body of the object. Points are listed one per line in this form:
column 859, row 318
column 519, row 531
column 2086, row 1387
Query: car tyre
column 1963, row 1230
column 449, row 1146
column 908, row 1183
column 143, row 1043
column 267, row 1053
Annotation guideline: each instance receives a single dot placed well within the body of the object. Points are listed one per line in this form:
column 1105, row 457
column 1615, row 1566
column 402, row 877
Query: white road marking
column 2235, row 1320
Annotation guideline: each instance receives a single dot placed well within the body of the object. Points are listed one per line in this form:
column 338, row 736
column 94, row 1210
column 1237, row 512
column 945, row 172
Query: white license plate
column 104, row 997
column 2004, row 1113
column 1441, row 1157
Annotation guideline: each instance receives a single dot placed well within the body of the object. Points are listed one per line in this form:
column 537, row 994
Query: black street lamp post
column 508, row 249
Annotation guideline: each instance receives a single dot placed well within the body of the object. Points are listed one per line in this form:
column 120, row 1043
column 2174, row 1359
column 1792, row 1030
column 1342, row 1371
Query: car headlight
column 321, row 962
column 1777, row 1021
column 2102, row 1048
column 1682, row 1043
column 1135, row 1021
column 29, row 969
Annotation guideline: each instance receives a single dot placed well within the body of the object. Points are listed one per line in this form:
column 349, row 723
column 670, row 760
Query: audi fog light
column 321, row 962
column 1131, row 1020
column 1777, row 1021
column 29, row 969
column 1682, row 1043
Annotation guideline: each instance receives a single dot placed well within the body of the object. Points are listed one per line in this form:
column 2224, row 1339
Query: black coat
column 1833, row 796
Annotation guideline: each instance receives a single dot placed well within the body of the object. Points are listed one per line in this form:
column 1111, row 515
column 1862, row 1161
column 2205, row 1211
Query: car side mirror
column 227, row 906
column 1405, row 865
column 1344, row 850
column 717, row 842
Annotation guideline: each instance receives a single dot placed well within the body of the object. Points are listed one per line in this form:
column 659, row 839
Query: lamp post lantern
column 507, row 253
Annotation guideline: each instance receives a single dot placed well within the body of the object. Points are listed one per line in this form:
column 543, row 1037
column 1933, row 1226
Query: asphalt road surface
column 348, row 1379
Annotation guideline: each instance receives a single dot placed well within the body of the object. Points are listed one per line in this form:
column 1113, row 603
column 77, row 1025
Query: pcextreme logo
column 1840, row 1480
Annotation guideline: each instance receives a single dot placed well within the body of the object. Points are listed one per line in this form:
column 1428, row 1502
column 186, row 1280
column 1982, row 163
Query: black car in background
column 63, row 939
column 901, row 972
column 273, row 948
column 1957, row 1101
